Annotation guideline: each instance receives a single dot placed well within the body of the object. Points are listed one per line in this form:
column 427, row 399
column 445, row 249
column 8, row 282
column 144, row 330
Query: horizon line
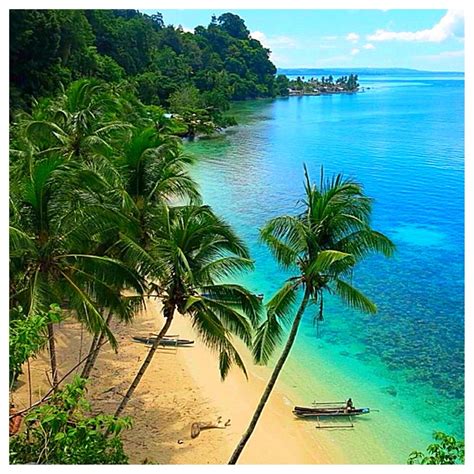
column 366, row 67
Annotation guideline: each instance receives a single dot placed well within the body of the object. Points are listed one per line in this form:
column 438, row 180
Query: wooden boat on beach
column 166, row 341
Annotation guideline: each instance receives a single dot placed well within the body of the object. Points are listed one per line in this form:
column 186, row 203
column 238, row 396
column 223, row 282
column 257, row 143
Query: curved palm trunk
column 86, row 370
column 169, row 318
column 52, row 355
column 97, row 342
column 271, row 383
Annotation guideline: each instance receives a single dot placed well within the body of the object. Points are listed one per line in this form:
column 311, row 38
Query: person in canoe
column 349, row 406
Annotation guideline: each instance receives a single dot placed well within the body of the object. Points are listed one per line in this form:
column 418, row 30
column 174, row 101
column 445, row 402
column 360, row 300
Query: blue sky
column 420, row 39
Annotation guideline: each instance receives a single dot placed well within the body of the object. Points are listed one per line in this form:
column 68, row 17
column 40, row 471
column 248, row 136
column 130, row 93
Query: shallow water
column 404, row 140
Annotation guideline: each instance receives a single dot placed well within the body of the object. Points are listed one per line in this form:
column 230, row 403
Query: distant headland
column 324, row 85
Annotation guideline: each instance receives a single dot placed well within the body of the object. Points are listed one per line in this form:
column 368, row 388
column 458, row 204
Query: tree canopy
column 51, row 48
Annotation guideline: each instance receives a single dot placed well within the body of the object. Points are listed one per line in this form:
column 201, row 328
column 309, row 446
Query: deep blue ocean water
column 403, row 139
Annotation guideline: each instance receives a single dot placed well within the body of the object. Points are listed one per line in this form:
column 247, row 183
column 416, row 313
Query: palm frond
column 233, row 320
column 268, row 336
column 87, row 311
column 282, row 302
column 325, row 260
column 110, row 270
column 235, row 296
column 20, row 242
column 286, row 238
column 217, row 338
column 39, row 294
column 364, row 242
column 224, row 267
column 137, row 257
column 353, row 297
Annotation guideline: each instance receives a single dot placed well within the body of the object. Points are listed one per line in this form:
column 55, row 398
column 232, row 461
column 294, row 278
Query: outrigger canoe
column 164, row 342
column 302, row 412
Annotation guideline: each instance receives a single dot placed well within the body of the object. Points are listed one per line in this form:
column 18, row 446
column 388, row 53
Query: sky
column 420, row 39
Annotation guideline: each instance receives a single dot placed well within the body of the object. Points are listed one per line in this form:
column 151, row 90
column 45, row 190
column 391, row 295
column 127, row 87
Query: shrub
column 61, row 432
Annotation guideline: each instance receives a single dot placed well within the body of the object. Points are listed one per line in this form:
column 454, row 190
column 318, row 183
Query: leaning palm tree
column 322, row 244
column 149, row 170
column 57, row 223
column 195, row 250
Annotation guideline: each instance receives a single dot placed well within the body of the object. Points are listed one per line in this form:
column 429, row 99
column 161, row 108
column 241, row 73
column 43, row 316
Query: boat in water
column 319, row 409
column 303, row 412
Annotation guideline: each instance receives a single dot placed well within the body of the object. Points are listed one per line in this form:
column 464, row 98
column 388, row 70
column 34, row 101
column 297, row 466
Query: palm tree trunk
column 271, row 383
column 169, row 317
column 97, row 342
column 81, row 343
column 52, row 355
column 86, row 370
column 30, row 391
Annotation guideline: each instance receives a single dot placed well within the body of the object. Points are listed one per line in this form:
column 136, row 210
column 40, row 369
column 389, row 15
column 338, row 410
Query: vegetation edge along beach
column 109, row 233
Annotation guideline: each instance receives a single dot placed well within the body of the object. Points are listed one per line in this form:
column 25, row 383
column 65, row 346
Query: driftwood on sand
column 197, row 427
column 14, row 421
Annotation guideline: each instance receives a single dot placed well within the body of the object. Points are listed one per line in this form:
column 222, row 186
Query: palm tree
column 58, row 220
column 149, row 171
column 83, row 123
column 195, row 249
column 153, row 171
column 323, row 244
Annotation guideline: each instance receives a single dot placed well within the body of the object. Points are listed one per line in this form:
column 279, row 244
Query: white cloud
column 329, row 38
column 452, row 24
column 258, row 35
column 272, row 41
column 368, row 46
column 355, row 51
column 187, row 30
column 353, row 37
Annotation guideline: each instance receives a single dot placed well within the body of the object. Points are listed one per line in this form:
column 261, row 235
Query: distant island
column 325, row 85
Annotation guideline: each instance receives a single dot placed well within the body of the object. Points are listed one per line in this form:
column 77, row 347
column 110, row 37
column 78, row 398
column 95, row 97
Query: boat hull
column 164, row 341
column 304, row 412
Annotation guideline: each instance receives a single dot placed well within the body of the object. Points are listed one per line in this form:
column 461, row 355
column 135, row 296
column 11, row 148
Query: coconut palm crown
column 323, row 244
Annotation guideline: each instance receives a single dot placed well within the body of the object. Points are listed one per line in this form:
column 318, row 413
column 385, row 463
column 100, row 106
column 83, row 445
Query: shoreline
column 297, row 94
column 179, row 388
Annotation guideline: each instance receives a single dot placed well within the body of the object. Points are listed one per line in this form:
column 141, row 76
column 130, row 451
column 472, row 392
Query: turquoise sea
column 404, row 140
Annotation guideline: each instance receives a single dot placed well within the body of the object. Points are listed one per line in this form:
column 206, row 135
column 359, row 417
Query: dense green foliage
column 164, row 64
column 103, row 212
column 91, row 175
column 62, row 432
column 28, row 335
column 447, row 450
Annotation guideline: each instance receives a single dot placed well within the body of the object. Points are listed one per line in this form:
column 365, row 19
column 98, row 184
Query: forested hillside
column 165, row 65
